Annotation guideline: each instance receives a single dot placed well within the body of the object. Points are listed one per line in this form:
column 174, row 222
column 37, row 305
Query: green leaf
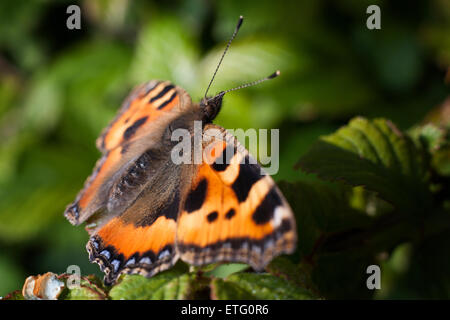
column 90, row 289
column 225, row 290
column 299, row 275
column 320, row 209
column 376, row 155
column 436, row 142
column 224, row 270
column 257, row 286
column 168, row 285
column 430, row 137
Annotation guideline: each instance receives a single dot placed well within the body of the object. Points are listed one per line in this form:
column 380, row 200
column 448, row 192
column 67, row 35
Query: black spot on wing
column 222, row 162
column 196, row 197
column 162, row 93
column 264, row 212
column 131, row 130
column 212, row 216
column 248, row 175
column 165, row 103
column 230, row 214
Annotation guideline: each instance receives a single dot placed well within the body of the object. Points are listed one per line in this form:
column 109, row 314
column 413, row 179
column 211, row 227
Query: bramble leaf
column 88, row 289
column 436, row 142
column 430, row 137
column 225, row 269
column 257, row 286
column 374, row 154
column 297, row 274
column 172, row 284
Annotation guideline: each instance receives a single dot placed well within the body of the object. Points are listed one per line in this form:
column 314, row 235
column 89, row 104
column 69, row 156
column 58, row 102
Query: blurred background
column 60, row 87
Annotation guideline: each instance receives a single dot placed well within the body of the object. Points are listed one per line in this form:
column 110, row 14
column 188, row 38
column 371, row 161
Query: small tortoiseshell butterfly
column 144, row 212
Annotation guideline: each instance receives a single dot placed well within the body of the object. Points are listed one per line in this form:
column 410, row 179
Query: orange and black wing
column 141, row 240
column 139, row 124
column 233, row 211
column 146, row 105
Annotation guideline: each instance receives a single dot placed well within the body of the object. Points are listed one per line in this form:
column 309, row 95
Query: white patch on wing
column 163, row 254
column 131, row 261
column 106, row 254
column 116, row 264
column 278, row 216
column 145, row 260
column 94, row 243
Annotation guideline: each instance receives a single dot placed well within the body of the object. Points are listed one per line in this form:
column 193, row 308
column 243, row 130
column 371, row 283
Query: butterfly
column 143, row 211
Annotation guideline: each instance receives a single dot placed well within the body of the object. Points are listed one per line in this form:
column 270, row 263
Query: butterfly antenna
column 250, row 84
column 241, row 19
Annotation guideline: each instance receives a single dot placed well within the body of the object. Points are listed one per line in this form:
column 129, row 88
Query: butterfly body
column 144, row 211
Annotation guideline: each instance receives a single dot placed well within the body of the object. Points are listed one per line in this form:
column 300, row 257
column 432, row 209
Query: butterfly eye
column 211, row 107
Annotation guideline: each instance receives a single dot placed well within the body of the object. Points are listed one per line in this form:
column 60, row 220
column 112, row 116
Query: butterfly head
column 211, row 106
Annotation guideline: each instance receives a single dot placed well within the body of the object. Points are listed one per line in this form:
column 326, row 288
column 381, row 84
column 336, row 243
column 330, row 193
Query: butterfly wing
column 144, row 107
column 142, row 119
column 141, row 240
column 202, row 213
column 233, row 212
